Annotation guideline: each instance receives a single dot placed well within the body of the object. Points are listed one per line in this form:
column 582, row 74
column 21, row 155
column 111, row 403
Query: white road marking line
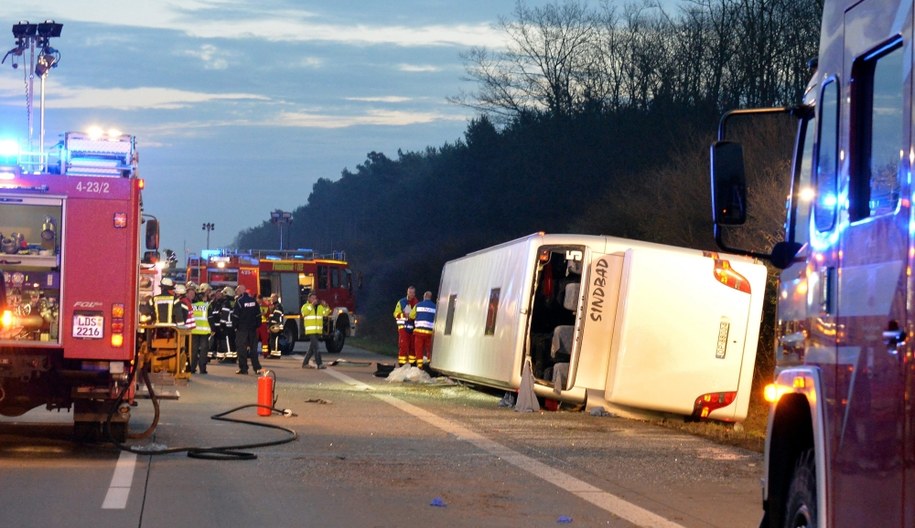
column 602, row 499
column 348, row 380
column 119, row 490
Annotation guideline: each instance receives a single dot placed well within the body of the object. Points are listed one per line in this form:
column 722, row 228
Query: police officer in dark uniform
column 247, row 316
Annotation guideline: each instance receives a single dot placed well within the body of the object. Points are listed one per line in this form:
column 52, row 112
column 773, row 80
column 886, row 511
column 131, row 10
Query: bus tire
column 801, row 504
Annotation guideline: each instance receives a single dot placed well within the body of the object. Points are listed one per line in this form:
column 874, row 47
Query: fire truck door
column 871, row 279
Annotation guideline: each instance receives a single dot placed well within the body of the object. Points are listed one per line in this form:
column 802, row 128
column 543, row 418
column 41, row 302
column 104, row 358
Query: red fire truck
column 840, row 448
column 291, row 274
column 69, row 256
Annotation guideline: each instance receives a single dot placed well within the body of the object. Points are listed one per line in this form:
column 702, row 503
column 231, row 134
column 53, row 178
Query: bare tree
column 544, row 67
column 565, row 58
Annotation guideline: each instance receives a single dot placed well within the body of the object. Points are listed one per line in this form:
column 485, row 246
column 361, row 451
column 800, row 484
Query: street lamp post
column 281, row 219
column 208, row 226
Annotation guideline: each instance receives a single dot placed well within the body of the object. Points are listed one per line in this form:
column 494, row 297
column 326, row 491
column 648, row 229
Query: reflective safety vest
column 200, row 318
column 164, row 308
column 423, row 315
column 402, row 314
column 313, row 318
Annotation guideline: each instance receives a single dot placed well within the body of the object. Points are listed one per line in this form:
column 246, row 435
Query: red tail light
column 707, row 403
column 117, row 325
column 729, row 277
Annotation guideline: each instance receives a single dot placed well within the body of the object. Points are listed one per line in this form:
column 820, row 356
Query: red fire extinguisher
column 266, row 400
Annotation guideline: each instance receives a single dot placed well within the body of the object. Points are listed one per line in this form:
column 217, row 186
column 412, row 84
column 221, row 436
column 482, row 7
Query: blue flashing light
column 829, row 200
column 206, row 254
column 271, row 257
column 9, row 152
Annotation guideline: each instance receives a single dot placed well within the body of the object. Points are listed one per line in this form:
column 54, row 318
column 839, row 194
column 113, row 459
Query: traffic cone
column 527, row 400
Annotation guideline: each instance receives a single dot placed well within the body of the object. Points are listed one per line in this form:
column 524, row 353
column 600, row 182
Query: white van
column 626, row 325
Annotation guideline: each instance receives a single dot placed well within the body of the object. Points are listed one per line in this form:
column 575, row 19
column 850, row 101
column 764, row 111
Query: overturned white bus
column 626, row 325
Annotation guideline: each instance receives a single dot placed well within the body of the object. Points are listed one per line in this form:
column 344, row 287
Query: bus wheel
column 801, row 511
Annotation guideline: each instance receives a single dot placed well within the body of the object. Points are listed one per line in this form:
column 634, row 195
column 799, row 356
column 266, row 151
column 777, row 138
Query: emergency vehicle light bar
column 91, row 155
column 79, row 142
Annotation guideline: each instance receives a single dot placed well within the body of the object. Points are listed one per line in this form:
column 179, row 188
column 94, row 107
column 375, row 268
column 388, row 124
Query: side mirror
column 152, row 234
column 729, row 184
column 783, row 254
column 150, row 257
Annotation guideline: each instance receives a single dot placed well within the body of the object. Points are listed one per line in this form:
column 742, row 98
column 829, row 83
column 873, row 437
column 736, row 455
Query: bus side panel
column 673, row 314
column 473, row 290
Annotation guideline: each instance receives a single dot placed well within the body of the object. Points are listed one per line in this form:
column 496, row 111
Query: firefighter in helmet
column 164, row 304
column 226, row 322
column 276, row 323
column 184, row 316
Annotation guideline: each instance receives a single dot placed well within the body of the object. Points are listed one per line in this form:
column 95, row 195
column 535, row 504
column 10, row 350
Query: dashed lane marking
column 119, row 490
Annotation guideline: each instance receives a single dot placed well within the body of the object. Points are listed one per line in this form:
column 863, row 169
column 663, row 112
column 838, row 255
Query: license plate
column 724, row 328
column 88, row 326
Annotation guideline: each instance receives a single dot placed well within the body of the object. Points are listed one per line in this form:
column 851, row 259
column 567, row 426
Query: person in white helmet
column 227, row 323
column 164, row 304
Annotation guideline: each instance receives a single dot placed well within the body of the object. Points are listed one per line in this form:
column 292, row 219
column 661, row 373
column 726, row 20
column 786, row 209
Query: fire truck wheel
column 290, row 332
column 801, row 511
column 334, row 342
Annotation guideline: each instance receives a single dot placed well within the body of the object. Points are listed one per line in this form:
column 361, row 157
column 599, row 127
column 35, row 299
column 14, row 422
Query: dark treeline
column 592, row 121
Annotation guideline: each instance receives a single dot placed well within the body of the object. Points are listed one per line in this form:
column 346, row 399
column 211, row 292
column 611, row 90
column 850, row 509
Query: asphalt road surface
column 369, row 453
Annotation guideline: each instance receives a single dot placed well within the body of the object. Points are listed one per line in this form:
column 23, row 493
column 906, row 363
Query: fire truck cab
column 292, row 274
column 69, row 256
column 840, row 446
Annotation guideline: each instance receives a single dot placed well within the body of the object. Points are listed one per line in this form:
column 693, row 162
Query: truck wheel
column 801, row 511
column 334, row 342
column 290, row 332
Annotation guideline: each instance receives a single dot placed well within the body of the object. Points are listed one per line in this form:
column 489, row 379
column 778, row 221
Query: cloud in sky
column 381, row 99
column 239, row 19
column 376, row 117
column 210, row 56
column 418, row 68
column 239, row 106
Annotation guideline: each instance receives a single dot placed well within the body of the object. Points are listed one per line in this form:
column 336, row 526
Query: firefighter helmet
column 167, row 283
column 180, row 289
column 204, row 287
column 228, row 290
column 191, row 285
